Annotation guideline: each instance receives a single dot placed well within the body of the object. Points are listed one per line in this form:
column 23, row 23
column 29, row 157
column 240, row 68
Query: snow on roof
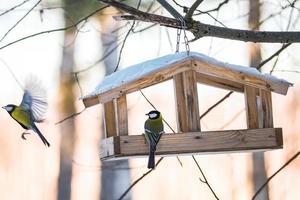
column 137, row 71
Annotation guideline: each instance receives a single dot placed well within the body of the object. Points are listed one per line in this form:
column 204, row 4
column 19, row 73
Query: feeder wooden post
column 180, row 103
column 122, row 117
column 186, row 94
column 115, row 115
column 266, row 107
column 110, row 119
column 251, row 107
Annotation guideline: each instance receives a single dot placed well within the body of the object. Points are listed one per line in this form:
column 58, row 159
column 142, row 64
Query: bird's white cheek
column 8, row 109
column 152, row 115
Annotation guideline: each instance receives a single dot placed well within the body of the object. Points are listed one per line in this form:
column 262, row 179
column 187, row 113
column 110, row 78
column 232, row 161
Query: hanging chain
column 186, row 42
column 178, row 39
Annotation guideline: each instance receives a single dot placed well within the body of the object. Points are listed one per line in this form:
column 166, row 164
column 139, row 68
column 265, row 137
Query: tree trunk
column 115, row 175
column 66, row 108
column 259, row 171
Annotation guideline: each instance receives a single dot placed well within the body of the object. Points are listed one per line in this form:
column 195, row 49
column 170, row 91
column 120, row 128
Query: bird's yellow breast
column 21, row 116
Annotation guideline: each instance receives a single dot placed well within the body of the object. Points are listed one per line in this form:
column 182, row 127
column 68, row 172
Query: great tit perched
column 154, row 128
column 32, row 108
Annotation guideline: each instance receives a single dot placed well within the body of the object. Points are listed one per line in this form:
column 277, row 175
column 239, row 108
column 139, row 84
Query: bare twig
column 216, row 104
column 144, row 29
column 78, row 83
column 13, row 8
column 170, row 9
column 273, row 55
column 12, row 73
column 274, row 65
column 70, row 116
column 287, row 28
column 204, row 180
column 273, row 175
column 138, row 180
column 192, row 9
column 125, row 39
column 100, row 60
column 27, row 13
column 203, row 30
column 286, row 70
column 54, row 30
column 123, row 44
column 214, row 9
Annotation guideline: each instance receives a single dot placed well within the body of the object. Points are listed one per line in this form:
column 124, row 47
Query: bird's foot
column 23, row 135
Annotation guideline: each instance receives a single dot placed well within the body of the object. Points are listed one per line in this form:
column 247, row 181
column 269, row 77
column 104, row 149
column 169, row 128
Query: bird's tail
column 35, row 129
column 151, row 159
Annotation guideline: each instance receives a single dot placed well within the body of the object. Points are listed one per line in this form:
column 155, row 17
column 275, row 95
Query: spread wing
column 34, row 99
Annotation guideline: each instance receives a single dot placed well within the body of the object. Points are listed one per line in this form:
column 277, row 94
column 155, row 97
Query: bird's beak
column 147, row 114
column 3, row 107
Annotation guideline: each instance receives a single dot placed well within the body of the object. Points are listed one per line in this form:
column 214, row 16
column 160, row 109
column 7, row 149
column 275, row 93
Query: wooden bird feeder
column 186, row 71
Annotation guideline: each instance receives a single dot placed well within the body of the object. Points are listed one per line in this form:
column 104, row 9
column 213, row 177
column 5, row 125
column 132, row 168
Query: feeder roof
column 163, row 68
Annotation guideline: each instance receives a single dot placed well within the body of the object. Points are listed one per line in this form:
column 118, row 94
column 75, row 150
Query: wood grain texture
column 146, row 81
column 219, row 82
column 239, row 77
column 191, row 100
column 91, row 101
column 267, row 111
column 110, row 119
column 181, row 111
column 122, row 116
column 194, row 143
column 251, row 107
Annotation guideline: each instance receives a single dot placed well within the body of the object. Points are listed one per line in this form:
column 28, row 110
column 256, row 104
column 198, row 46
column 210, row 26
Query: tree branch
column 170, row 9
column 27, row 13
column 199, row 29
column 273, row 55
column 55, row 30
column 213, row 9
column 13, row 8
column 216, row 104
column 138, row 180
column 273, row 175
column 192, row 9
column 204, row 180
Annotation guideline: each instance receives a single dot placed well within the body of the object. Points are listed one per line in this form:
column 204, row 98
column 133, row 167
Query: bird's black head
column 9, row 108
column 154, row 114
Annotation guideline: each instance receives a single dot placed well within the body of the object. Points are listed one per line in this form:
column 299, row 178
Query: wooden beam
column 219, row 83
column 249, row 79
column 181, row 111
column 187, row 107
column 266, row 105
column 146, row 81
column 110, row 119
column 194, row 143
column 251, row 107
column 191, row 100
column 91, row 101
column 122, row 116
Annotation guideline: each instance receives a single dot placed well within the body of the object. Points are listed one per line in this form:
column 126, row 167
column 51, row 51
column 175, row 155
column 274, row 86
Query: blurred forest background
column 73, row 44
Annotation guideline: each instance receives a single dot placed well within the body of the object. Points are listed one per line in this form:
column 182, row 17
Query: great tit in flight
column 154, row 128
column 32, row 108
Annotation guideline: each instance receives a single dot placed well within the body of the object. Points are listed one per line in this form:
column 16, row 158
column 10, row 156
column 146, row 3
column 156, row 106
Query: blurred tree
column 114, row 180
column 258, row 159
column 74, row 10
